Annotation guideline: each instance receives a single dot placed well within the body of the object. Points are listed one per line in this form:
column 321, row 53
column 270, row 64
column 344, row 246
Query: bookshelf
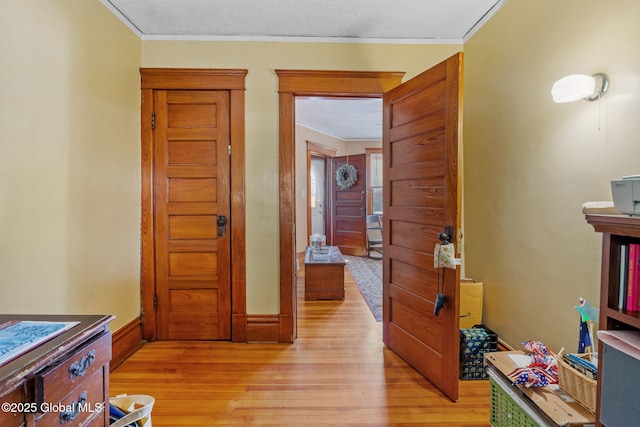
column 618, row 231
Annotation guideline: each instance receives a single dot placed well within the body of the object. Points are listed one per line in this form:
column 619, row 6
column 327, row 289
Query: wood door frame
column 293, row 83
column 324, row 152
column 232, row 80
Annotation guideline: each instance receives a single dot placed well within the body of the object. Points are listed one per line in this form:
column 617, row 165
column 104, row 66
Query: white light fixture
column 580, row 86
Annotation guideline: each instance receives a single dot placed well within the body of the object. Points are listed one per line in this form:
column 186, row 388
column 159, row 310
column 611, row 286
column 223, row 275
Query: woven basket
column 577, row 384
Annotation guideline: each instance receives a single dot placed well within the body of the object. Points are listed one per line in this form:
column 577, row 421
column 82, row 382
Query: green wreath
column 346, row 176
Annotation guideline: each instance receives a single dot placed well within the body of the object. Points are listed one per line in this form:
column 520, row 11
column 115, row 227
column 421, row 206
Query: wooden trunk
column 324, row 279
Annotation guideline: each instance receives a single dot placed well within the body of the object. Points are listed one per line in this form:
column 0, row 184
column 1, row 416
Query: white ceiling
column 346, row 119
column 421, row 21
column 354, row 21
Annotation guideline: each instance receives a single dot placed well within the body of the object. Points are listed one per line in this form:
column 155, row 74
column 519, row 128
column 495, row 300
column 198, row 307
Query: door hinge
column 155, row 302
column 229, row 149
column 153, row 120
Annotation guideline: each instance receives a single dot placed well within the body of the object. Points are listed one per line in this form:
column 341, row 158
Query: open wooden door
column 422, row 195
column 349, row 207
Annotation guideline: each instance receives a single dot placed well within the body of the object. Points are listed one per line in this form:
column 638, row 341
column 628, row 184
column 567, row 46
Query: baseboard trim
column 125, row 341
column 249, row 328
column 263, row 328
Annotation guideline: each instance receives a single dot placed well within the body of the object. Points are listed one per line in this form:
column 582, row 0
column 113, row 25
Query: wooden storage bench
column 324, row 278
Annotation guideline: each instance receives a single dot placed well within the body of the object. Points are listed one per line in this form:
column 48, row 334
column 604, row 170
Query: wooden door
column 422, row 195
column 349, row 208
column 191, row 139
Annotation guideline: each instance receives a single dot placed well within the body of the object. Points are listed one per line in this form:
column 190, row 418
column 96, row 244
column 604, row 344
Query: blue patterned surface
column 22, row 336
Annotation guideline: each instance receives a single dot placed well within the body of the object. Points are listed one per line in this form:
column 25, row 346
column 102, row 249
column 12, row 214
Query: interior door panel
column 422, row 195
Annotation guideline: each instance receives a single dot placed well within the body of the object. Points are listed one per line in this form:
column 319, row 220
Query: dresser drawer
column 79, row 407
column 99, row 420
column 54, row 383
column 13, row 415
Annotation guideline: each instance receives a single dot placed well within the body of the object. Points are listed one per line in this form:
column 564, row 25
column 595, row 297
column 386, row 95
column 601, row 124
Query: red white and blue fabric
column 543, row 369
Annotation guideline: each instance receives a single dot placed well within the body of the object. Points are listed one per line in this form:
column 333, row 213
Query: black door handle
column 222, row 225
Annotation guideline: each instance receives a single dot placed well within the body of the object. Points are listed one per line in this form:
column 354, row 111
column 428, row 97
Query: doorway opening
column 318, row 206
column 317, row 196
column 293, row 83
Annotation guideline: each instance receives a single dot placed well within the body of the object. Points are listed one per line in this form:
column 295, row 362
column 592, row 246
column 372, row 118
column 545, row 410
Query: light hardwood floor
column 337, row 373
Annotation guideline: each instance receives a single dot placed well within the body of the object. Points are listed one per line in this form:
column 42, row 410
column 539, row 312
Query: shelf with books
column 628, row 276
column 620, row 277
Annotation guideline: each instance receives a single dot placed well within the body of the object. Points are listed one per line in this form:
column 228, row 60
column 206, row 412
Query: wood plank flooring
column 337, row 373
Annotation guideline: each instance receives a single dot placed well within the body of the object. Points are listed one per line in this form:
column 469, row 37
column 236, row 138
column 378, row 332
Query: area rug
column 367, row 273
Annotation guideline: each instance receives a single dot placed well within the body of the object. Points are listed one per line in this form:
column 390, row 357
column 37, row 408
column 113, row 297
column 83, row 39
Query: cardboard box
column 470, row 303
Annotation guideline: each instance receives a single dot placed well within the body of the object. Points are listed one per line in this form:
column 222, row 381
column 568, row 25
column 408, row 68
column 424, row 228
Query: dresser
column 63, row 381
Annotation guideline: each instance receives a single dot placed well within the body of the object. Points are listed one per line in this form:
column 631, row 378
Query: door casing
column 232, row 80
column 293, row 83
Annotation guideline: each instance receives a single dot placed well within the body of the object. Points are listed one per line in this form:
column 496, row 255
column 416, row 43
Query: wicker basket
column 577, row 384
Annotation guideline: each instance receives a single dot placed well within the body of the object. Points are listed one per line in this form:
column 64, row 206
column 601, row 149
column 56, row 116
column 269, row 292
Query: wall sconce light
column 580, row 86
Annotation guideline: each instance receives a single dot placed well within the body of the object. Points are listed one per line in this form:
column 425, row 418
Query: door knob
column 222, row 225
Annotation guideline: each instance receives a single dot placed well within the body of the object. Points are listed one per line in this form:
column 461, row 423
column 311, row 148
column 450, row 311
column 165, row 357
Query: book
column 624, row 275
column 633, row 280
column 582, row 365
column 18, row 337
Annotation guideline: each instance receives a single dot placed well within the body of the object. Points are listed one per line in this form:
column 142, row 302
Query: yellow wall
column 69, row 160
column 530, row 164
column 261, row 59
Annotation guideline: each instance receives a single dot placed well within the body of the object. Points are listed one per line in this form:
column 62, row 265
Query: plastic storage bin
column 474, row 343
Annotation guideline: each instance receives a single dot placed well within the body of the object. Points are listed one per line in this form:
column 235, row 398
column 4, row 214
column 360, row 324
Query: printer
column 626, row 194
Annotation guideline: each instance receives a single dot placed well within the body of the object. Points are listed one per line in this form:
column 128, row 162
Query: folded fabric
column 533, row 376
column 599, row 208
column 543, row 369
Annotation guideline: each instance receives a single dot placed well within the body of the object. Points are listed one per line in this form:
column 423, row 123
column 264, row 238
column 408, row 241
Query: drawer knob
column 79, row 368
column 76, row 407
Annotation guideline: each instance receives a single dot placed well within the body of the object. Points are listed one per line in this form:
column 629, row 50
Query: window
column 375, row 181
